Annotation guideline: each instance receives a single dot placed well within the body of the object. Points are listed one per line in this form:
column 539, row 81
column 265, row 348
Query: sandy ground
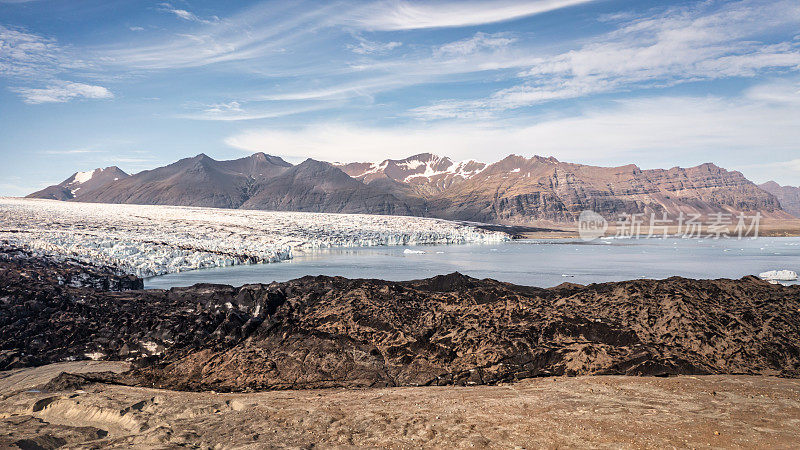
column 599, row 412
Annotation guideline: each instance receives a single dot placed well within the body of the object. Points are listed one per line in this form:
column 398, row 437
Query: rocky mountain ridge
column 788, row 196
column 515, row 190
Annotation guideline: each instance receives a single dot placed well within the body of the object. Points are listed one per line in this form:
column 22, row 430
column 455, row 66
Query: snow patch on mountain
column 83, row 177
column 412, row 165
column 458, row 169
column 373, row 168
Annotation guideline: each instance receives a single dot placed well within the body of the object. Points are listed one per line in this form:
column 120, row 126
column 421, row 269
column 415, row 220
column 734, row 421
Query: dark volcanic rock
column 451, row 329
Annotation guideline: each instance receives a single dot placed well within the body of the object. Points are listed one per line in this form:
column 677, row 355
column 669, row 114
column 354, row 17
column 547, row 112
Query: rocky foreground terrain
column 449, row 361
column 318, row 332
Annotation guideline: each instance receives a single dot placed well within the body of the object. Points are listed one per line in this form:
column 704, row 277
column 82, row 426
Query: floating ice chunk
column 778, row 275
column 408, row 251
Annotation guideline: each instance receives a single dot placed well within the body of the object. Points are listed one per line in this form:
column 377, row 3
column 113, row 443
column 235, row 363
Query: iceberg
column 778, row 275
column 408, row 251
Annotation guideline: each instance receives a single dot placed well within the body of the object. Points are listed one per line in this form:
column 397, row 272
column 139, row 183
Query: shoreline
column 572, row 233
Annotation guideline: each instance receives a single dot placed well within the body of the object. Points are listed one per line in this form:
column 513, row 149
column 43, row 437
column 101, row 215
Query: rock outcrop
column 452, row 329
column 518, row 190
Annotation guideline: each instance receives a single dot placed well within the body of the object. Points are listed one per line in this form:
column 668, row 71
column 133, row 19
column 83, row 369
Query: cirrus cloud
column 679, row 45
column 62, row 91
column 406, row 15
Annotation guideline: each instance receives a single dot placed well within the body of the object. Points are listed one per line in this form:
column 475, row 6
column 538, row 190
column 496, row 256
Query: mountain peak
column 424, row 157
column 80, row 183
column 262, row 157
column 202, row 157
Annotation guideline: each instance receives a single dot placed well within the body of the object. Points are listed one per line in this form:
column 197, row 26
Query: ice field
column 154, row 240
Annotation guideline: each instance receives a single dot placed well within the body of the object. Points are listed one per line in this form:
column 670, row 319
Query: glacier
column 149, row 240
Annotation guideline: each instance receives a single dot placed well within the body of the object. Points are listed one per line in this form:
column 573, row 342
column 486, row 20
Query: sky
column 140, row 84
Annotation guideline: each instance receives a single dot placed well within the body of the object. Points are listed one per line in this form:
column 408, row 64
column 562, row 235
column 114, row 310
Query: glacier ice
column 148, row 240
column 778, row 275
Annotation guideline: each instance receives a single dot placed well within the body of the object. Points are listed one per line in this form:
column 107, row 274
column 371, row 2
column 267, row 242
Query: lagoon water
column 542, row 263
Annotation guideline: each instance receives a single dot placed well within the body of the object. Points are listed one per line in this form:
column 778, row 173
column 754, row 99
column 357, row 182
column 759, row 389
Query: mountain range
column 515, row 190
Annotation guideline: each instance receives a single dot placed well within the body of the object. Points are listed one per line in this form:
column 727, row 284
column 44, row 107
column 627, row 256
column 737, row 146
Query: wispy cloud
column 480, row 41
column 62, row 91
column 779, row 91
column 643, row 130
column 449, row 62
column 367, row 47
column 677, row 46
column 186, row 15
column 38, row 62
column 235, row 111
column 407, row 15
column 77, row 151
column 258, row 33
column 25, row 54
column 643, row 51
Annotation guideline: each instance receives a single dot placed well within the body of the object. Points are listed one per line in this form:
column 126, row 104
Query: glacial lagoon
column 541, row 263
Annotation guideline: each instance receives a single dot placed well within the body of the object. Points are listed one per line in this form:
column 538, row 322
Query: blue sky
column 139, row 84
